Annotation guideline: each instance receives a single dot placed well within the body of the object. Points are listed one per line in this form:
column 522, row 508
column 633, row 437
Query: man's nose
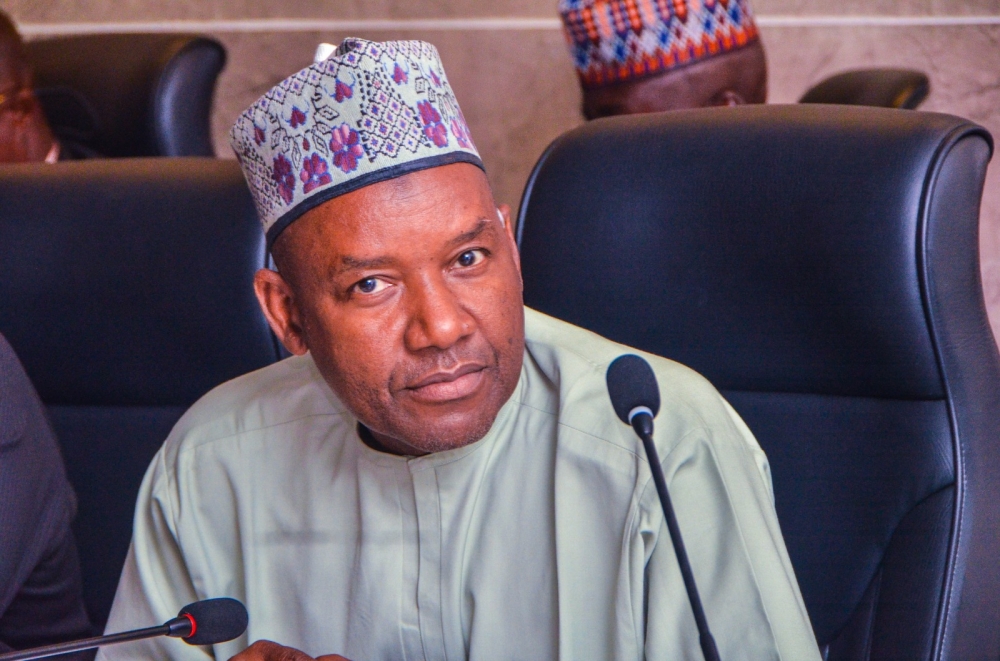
column 437, row 317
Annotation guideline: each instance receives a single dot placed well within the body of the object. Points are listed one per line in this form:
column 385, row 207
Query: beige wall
column 517, row 87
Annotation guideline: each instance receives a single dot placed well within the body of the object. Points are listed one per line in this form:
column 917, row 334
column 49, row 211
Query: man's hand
column 265, row 650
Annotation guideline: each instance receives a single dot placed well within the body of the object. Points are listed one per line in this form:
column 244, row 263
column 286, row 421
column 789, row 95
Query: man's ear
column 277, row 300
column 728, row 97
column 504, row 211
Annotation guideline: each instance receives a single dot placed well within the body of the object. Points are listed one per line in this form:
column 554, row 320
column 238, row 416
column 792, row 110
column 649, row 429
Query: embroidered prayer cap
column 621, row 40
column 369, row 112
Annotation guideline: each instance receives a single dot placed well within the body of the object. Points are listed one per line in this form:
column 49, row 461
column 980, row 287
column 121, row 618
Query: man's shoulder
column 284, row 392
column 575, row 361
column 575, row 357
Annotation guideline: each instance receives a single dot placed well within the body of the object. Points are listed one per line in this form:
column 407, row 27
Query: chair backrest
column 126, row 290
column 819, row 265
column 881, row 88
column 127, row 95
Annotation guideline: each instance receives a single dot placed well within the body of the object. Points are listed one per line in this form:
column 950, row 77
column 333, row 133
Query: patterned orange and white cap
column 620, row 40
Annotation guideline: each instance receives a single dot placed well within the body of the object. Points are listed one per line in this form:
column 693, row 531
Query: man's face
column 24, row 133
column 408, row 295
column 11, row 99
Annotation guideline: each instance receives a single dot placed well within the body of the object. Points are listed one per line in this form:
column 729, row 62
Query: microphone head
column 215, row 620
column 631, row 383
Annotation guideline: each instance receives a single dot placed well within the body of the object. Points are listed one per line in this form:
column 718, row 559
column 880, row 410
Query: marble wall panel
column 144, row 10
column 805, row 8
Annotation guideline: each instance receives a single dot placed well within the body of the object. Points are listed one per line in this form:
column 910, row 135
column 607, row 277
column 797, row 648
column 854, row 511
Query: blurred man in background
column 636, row 56
column 25, row 135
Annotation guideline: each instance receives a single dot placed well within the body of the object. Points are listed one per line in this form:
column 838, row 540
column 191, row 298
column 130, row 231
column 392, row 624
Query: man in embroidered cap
column 636, row 56
column 437, row 471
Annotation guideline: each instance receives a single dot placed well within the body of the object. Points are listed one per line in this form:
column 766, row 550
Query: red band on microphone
column 194, row 625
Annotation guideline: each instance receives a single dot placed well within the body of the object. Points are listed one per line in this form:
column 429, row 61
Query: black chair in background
column 881, row 88
column 126, row 290
column 127, row 95
column 820, row 266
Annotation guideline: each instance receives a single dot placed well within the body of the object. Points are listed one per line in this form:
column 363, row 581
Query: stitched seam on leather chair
column 869, row 633
column 955, row 136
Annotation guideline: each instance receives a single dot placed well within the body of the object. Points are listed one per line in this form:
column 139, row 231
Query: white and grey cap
column 368, row 112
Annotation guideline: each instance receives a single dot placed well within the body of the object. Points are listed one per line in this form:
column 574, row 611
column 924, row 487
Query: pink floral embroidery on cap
column 282, row 175
column 346, row 148
column 398, row 75
column 342, row 91
column 433, row 128
column 461, row 132
column 314, row 173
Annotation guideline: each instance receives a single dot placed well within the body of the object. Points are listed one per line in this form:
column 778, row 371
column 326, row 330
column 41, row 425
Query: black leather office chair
column 130, row 94
column 126, row 290
column 881, row 88
column 819, row 265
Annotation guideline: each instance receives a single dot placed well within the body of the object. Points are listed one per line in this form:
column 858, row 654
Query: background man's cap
column 621, row 40
column 368, row 112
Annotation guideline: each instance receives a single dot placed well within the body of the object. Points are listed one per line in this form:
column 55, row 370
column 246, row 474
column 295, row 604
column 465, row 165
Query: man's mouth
column 444, row 386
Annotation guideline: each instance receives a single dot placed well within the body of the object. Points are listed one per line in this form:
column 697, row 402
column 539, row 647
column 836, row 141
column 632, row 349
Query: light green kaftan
column 543, row 540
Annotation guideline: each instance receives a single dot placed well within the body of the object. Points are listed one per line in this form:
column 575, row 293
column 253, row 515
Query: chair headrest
column 882, row 88
column 135, row 94
column 129, row 281
column 772, row 248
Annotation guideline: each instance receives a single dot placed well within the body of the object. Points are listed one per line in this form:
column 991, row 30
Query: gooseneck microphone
column 635, row 397
column 202, row 623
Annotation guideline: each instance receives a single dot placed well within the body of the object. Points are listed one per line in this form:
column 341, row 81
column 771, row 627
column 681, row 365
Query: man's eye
column 470, row 258
column 370, row 286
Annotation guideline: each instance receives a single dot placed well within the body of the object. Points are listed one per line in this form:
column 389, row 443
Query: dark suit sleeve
column 40, row 585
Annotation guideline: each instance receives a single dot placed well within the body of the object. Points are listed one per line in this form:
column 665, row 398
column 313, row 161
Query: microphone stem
column 85, row 644
column 708, row 648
